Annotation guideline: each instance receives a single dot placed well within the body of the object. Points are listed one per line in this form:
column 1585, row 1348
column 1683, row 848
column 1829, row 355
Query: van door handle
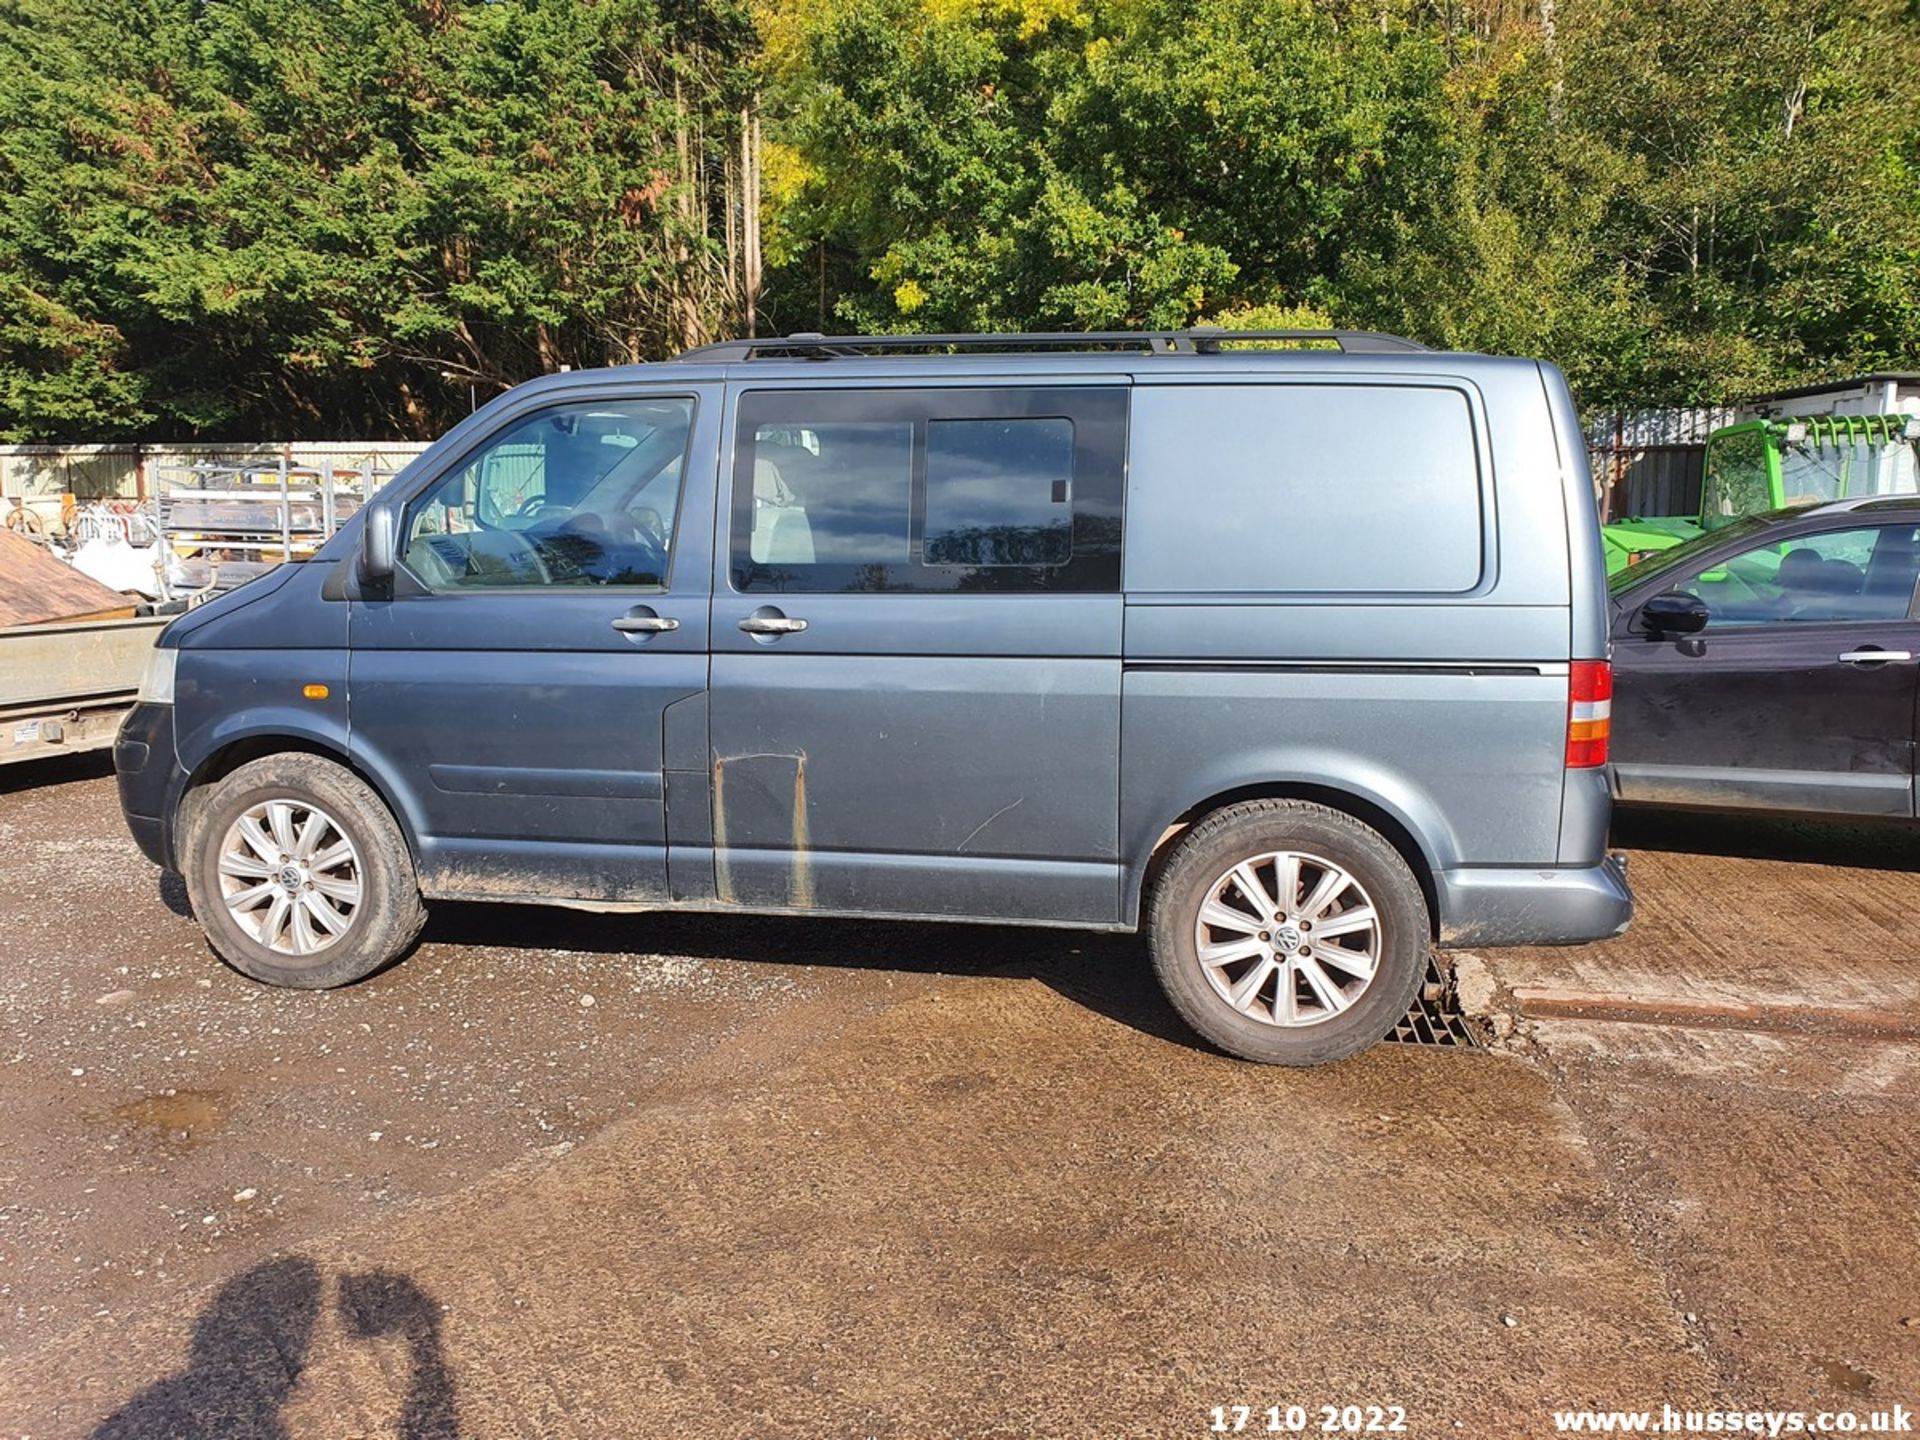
column 1874, row 655
column 642, row 621
column 771, row 620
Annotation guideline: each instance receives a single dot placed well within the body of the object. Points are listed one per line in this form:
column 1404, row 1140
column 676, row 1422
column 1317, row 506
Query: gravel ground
column 578, row 1175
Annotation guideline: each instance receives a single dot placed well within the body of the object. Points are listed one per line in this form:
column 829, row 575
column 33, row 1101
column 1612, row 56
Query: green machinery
column 1769, row 464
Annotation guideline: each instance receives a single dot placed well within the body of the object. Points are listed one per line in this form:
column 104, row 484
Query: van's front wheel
column 299, row 875
column 1288, row 933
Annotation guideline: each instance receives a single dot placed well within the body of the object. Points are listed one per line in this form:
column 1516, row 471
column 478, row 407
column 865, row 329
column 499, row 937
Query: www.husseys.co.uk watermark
column 1669, row 1420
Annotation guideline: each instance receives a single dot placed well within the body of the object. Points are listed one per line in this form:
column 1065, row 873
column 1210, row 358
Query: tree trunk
column 1550, row 44
column 689, row 328
column 750, row 214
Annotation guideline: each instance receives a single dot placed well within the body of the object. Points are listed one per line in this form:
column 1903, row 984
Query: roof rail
column 1199, row 340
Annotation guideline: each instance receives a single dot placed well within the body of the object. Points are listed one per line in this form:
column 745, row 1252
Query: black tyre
column 1288, row 933
column 298, row 873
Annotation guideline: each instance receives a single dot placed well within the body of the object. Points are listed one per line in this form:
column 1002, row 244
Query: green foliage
column 1770, row 211
column 1680, row 200
column 273, row 216
column 282, row 217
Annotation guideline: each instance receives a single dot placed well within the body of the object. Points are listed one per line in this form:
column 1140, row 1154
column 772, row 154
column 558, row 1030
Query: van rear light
column 1589, row 713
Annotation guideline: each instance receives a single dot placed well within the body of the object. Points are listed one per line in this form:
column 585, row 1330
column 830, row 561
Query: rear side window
column 1015, row 489
column 1304, row 489
column 832, row 493
column 999, row 492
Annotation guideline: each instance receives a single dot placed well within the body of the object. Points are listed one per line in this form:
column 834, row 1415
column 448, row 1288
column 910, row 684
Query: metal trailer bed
column 66, row 687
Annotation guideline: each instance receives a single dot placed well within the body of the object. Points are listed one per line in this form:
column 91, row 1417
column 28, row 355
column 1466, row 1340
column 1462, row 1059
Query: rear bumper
column 150, row 779
column 1487, row 906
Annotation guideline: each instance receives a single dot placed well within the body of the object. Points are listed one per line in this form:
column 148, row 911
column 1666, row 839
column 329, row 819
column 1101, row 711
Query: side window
column 1864, row 574
column 580, row 494
column 832, row 494
column 999, row 492
column 1304, row 488
column 928, row 490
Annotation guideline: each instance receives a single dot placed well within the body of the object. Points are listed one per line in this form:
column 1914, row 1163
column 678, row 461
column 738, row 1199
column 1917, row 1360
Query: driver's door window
column 574, row 495
column 1864, row 574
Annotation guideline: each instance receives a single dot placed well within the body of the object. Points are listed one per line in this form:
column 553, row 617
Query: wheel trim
column 290, row 877
column 1288, row 938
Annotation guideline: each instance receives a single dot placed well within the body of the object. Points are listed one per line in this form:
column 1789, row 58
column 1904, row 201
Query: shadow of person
column 249, row 1347
column 380, row 1302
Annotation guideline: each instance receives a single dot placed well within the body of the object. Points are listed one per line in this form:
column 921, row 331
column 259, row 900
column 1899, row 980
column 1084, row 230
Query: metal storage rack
column 225, row 524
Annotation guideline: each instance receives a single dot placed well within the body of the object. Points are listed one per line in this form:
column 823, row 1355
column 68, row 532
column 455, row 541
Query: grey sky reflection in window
column 999, row 492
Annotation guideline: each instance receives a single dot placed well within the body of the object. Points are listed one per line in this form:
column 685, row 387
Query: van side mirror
column 1675, row 613
column 376, row 548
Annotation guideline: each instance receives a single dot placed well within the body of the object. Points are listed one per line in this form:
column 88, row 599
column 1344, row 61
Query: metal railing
column 1197, row 340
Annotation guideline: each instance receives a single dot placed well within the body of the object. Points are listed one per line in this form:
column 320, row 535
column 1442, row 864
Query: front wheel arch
column 229, row 757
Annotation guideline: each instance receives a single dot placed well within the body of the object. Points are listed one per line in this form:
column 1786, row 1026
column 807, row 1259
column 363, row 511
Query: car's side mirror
column 376, row 548
column 1675, row 613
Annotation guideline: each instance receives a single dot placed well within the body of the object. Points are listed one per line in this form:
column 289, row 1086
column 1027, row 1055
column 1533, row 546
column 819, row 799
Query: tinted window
column 857, row 484
column 574, row 495
column 913, row 490
column 1680, row 558
column 999, row 492
column 1863, row 574
column 1304, row 488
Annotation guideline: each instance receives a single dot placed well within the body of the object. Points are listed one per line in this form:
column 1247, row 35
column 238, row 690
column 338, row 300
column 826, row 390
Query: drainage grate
column 1435, row 1018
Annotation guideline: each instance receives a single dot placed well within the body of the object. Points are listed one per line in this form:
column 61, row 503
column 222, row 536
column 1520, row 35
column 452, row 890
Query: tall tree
column 281, row 217
column 267, row 216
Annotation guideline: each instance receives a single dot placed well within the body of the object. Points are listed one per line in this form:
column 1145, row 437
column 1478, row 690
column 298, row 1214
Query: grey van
column 1288, row 648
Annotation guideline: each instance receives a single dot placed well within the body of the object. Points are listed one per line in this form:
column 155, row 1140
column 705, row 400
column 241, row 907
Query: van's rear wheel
column 299, row 875
column 1288, row 933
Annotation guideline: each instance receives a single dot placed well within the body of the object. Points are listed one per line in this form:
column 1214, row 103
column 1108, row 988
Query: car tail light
column 1589, row 713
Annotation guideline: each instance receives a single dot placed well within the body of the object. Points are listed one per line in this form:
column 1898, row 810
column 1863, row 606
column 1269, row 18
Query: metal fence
column 1647, row 462
column 41, row 473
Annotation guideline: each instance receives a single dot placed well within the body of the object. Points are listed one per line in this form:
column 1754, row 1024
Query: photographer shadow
column 252, row 1343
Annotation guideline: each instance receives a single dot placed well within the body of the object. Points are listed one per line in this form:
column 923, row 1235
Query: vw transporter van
column 1289, row 649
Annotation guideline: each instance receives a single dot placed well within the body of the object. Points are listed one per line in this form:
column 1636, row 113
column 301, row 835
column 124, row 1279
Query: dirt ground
column 567, row 1175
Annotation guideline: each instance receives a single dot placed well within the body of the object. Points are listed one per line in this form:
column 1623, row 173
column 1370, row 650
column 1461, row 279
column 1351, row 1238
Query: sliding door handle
column 770, row 620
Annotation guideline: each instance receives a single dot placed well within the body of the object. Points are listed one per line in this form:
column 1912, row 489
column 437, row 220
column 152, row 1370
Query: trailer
column 66, row 687
column 72, row 654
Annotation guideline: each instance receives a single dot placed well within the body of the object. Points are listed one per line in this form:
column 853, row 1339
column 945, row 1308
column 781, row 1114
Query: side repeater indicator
column 314, row 692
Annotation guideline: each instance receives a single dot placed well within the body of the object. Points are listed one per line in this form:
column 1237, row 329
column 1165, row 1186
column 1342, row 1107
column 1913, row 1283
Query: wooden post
column 1614, row 463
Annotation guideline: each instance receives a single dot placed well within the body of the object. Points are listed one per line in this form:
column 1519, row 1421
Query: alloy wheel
column 1288, row 938
column 290, row 877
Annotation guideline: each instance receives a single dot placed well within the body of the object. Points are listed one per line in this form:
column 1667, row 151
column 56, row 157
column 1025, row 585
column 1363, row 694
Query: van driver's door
column 549, row 613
